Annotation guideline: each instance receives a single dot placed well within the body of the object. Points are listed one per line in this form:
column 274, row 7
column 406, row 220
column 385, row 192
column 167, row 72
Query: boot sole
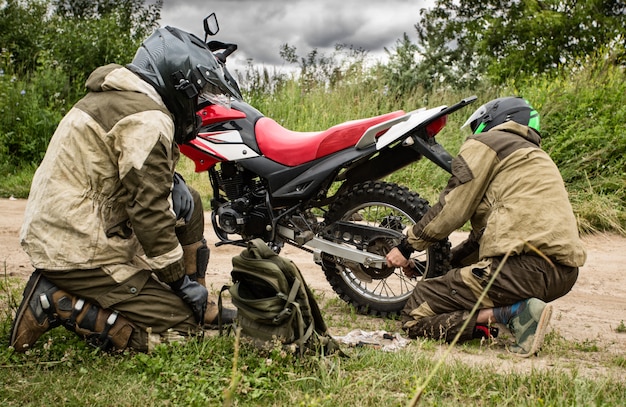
column 540, row 333
column 28, row 293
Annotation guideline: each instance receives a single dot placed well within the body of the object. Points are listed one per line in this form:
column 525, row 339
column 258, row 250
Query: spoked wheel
column 371, row 290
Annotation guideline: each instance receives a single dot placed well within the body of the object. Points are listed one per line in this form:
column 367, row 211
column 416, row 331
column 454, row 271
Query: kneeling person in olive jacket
column 115, row 235
column 515, row 199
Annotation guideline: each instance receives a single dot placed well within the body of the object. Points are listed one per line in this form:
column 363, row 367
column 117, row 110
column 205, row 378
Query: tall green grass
column 583, row 127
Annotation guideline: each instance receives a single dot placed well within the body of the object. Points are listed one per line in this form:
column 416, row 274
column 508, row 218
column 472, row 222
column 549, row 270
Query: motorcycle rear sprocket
column 381, row 204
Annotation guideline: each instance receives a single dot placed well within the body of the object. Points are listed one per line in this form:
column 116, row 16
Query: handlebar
column 218, row 45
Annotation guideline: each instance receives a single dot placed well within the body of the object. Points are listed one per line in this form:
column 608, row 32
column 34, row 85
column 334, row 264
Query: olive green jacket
column 512, row 193
column 101, row 195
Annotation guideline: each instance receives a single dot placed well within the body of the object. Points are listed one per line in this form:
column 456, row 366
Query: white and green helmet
column 502, row 110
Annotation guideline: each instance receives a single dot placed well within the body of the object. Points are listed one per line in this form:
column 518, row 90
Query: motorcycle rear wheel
column 381, row 204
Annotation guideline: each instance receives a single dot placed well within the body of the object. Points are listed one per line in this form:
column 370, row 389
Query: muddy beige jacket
column 101, row 195
column 512, row 193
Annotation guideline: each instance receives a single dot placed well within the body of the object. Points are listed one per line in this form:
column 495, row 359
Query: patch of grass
column 621, row 328
column 556, row 343
column 598, row 212
column 620, row 361
column 340, row 314
column 587, row 346
column 15, row 182
column 62, row 370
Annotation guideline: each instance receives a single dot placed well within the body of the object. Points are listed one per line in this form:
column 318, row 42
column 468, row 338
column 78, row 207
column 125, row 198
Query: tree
column 465, row 40
column 22, row 31
column 134, row 17
column 80, row 35
column 89, row 34
column 317, row 68
column 47, row 50
column 399, row 72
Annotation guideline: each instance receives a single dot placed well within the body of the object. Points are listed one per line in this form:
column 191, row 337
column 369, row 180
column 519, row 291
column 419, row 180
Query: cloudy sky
column 260, row 27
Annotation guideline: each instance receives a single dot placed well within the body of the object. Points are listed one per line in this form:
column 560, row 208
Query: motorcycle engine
column 242, row 218
column 244, row 212
column 231, row 215
column 229, row 219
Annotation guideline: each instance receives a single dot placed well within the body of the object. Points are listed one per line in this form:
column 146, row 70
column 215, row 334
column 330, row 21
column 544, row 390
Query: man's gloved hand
column 181, row 198
column 194, row 294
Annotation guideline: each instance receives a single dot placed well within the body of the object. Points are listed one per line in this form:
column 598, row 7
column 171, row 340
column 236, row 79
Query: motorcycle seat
column 292, row 148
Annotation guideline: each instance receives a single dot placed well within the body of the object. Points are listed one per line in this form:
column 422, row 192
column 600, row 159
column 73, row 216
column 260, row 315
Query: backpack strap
column 220, row 307
column 290, row 300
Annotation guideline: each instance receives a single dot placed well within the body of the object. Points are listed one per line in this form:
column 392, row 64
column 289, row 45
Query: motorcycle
column 322, row 191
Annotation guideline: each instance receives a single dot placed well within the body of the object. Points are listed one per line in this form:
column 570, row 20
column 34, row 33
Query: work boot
column 45, row 306
column 529, row 326
column 31, row 320
column 196, row 259
column 211, row 316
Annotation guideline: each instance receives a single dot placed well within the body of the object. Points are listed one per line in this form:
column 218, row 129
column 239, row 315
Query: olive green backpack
column 274, row 303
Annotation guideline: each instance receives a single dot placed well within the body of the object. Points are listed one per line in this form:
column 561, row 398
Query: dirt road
column 590, row 313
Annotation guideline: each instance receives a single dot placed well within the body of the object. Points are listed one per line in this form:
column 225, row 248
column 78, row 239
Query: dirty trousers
column 438, row 307
column 141, row 298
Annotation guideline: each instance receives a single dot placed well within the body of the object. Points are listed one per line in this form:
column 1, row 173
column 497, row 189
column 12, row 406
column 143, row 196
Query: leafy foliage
column 461, row 42
column 29, row 112
column 23, row 32
column 88, row 34
column 43, row 70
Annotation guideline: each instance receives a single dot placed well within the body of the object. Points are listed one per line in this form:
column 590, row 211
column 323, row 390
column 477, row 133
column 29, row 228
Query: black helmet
column 181, row 68
column 503, row 110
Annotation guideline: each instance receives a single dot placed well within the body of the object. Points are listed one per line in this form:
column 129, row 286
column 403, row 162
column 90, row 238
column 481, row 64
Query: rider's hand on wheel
column 396, row 259
column 411, row 271
column 181, row 198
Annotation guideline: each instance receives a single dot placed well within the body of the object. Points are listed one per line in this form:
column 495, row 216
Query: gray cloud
column 260, row 27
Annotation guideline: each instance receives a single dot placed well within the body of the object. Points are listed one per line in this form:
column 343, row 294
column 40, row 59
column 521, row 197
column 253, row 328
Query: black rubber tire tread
column 400, row 197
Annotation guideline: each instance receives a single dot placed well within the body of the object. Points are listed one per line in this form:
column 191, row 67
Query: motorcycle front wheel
column 374, row 291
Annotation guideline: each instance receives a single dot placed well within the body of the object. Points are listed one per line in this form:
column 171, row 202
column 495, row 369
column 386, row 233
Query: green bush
column 584, row 131
column 29, row 113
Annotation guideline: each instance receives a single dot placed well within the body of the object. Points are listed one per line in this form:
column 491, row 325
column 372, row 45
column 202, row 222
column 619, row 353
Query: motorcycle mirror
column 211, row 27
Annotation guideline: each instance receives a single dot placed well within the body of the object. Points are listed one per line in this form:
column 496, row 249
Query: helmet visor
column 480, row 112
column 215, row 89
column 215, row 98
